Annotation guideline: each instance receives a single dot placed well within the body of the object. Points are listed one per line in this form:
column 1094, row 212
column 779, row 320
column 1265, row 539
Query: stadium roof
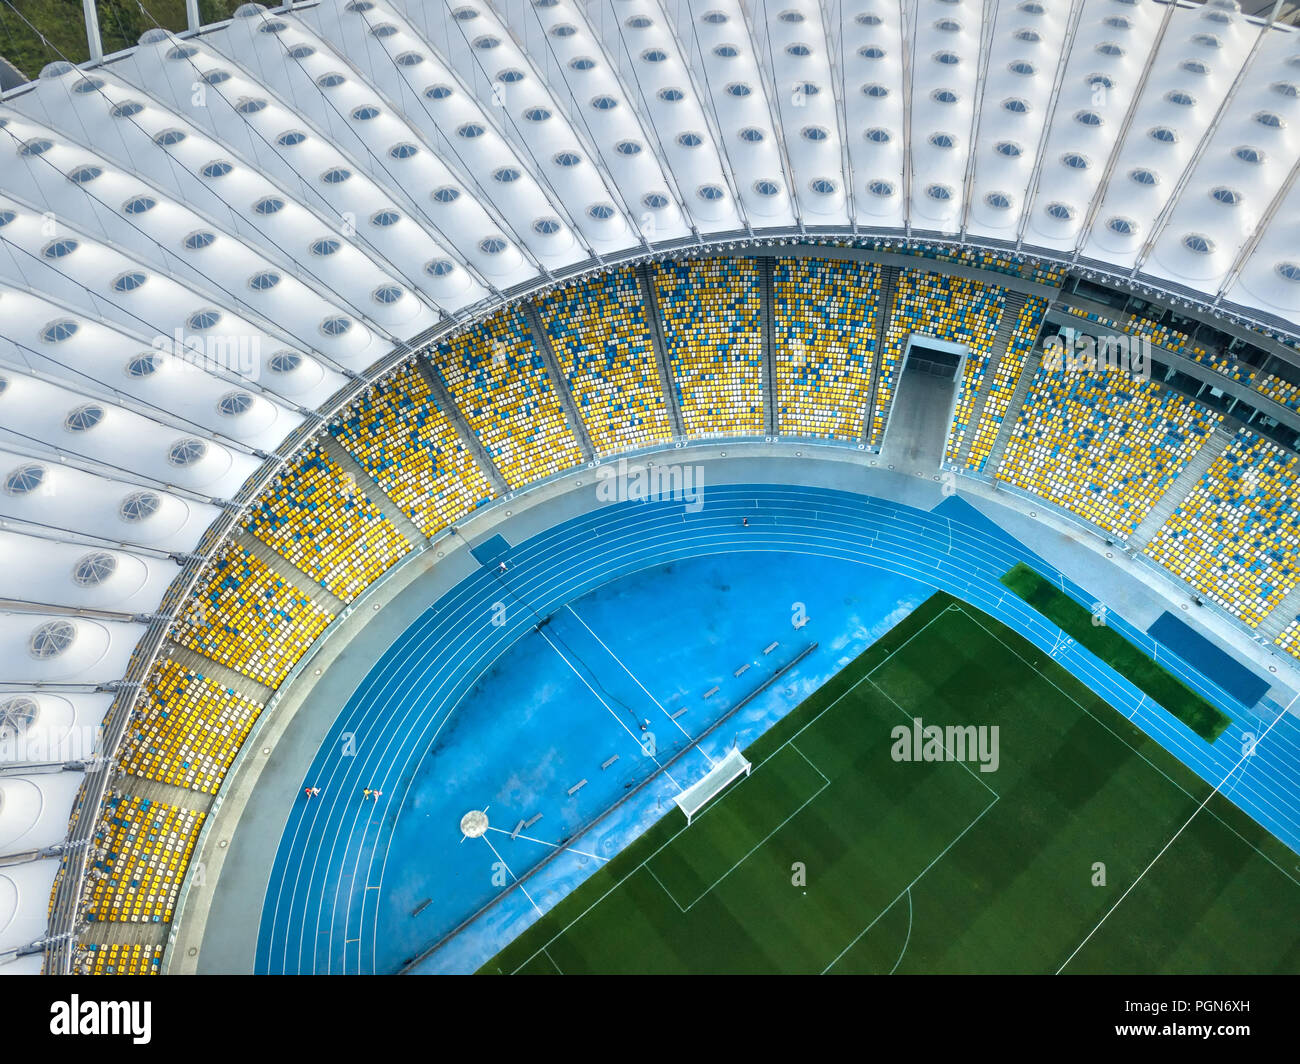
column 206, row 239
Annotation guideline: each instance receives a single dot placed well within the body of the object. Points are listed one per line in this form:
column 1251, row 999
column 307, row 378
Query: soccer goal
column 702, row 792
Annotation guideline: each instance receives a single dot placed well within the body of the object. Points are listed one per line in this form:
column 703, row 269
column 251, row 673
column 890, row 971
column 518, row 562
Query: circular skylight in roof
column 582, row 63
column 1016, row 105
column 871, row 51
column 673, row 95
column 58, row 249
column 1230, row 197
column 358, row 7
column 998, row 201
column 128, row 109
column 738, row 89
column 1104, row 81
column 139, row 505
column 264, row 281
column 486, row 43
column 604, row 102
column 83, row 175
column 1286, row 88
column 815, row 133
column 566, row 159
column 471, row 130
column 383, row 30
column 1074, row 161
column 446, row 194
column 217, row 168
column 51, row 639
column 1143, row 176
column 537, row 114
column 943, row 96
column 714, row 18
column 1180, row 98
column 365, row 112
column 880, row 187
column 1163, row 134
column 410, row 59
column 798, row 50
column 215, row 77
column 791, row 16
column 726, row 51
column 325, row 246
column 628, row 147
column 33, row 148
column 656, row 201
column 88, row 85
column 1122, row 226
column 765, row 186
column 331, row 80
column 750, row 135
column 1022, row 67
column 689, row 139
column 492, row 245
column 58, row 331
column 1198, row 243
column 268, row 205
column 1288, row 271
column 710, row 193
column 1032, row 7
column 868, row 20
column 186, row 451
column 638, row 22
column 1061, row 212
column 1009, row 148
column 169, row 137
column 939, row 192
column 943, row 140
column 1207, row 40
column 303, row 51
column 284, row 361
column 84, row 418
column 878, row 135
column 1119, row 22
column 464, row 14
column 506, row 175
column 510, row 76
column 93, row 569
column 6, row 216
column 1248, row 154
column 249, row 106
column 547, row 226
column 1271, row 120
column 232, row 404
column 130, row 281
column 139, row 205
column 1028, row 36
column 1088, row 118
column 144, row 365
column 601, row 211
column 204, row 319
column 335, row 326
column 383, row 219
column 17, row 715
column 563, row 30
column 1194, row 66
column 948, row 25
column 291, row 138
column 946, row 58
column 183, row 51
column 25, row 479
column 273, row 26
column 439, row 267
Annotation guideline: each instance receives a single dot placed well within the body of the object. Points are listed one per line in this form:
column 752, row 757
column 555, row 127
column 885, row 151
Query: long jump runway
column 326, row 909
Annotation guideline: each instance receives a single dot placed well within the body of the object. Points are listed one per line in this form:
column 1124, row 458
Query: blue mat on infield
column 1210, row 661
column 492, row 549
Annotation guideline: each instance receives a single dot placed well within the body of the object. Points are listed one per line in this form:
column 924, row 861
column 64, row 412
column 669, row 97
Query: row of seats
column 1103, row 445
column 117, row 958
column 402, row 437
column 246, row 617
column 954, row 309
column 711, row 314
column 186, row 729
column 1289, row 640
column 137, row 859
column 499, row 381
column 1236, row 537
column 318, row 518
column 824, row 318
column 1280, row 390
column 601, row 339
column 1024, row 338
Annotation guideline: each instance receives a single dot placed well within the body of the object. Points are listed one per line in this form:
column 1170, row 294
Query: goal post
column 714, row 782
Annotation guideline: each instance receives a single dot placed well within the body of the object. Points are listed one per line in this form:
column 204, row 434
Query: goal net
column 703, row 791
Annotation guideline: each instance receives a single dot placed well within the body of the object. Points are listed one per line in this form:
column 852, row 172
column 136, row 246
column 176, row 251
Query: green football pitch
column 836, row 856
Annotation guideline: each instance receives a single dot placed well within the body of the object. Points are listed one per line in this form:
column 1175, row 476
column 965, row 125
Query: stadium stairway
column 1014, row 407
column 562, row 390
column 1182, row 487
column 888, row 286
column 651, row 303
column 771, row 401
column 371, row 489
column 216, row 672
column 1280, row 617
column 481, row 458
column 1015, row 302
column 288, row 571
